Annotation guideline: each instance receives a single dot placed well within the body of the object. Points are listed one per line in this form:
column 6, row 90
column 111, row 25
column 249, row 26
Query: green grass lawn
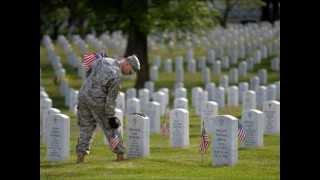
column 164, row 162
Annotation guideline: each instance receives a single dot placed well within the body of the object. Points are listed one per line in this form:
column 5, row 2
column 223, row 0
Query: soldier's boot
column 120, row 157
column 80, row 158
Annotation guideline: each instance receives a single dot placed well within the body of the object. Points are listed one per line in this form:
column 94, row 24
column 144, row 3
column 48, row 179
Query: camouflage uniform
column 97, row 102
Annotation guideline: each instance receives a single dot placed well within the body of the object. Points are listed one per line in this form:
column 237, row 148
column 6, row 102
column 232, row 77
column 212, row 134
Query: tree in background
column 271, row 12
column 138, row 18
column 229, row 5
column 52, row 15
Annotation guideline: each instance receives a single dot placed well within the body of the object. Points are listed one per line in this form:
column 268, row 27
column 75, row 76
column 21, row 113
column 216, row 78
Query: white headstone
column 121, row 102
column 178, row 85
column 168, row 66
column 45, row 105
column 250, row 64
column 216, row 68
column 119, row 114
column 224, row 81
column 181, row 103
column 206, row 75
column 243, row 69
column 179, row 75
column 278, row 90
column 263, row 76
column 233, row 96
column 154, row 116
column 64, row 87
column 157, row 61
column 261, row 96
column 258, row 57
column 49, row 116
column 189, row 54
column 166, row 94
column 150, row 86
column 233, row 76
column 234, row 56
column 210, row 88
column 220, row 96
column 271, row 92
column 192, row 66
column 202, row 101
column 209, row 111
column 180, row 93
column 195, row 95
column 201, row 63
column 144, row 97
column 154, row 73
column 72, row 99
column 131, row 93
column 58, row 141
column 275, row 64
column 225, row 141
column 243, row 87
column 254, row 83
column 264, row 52
column 225, row 62
column 249, row 101
column 253, row 124
column 138, row 136
column 271, row 110
column 133, row 106
column 179, row 128
column 161, row 99
column 211, row 56
column 179, row 63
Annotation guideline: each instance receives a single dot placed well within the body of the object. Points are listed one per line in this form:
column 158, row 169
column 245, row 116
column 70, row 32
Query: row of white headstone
column 70, row 94
column 235, row 95
column 223, row 128
column 236, row 40
column 54, row 129
column 215, row 69
column 72, row 58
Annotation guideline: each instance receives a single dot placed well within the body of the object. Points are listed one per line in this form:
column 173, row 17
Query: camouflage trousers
column 88, row 118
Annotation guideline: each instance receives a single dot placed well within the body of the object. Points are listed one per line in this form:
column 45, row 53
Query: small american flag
column 88, row 59
column 165, row 126
column 114, row 141
column 241, row 133
column 204, row 140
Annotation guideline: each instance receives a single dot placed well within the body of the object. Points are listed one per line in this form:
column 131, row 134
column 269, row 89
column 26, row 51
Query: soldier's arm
column 112, row 86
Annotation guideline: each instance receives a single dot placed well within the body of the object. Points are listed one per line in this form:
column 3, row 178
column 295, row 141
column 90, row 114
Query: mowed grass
column 164, row 162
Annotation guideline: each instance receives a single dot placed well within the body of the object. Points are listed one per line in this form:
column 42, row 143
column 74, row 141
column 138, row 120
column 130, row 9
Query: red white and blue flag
column 88, row 59
column 204, row 141
column 114, row 141
column 241, row 133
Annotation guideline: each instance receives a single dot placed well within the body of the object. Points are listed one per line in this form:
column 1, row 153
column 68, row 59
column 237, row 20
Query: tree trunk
column 55, row 31
column 137, row 44
column 265, row 16
column 275, row 10
column 225, row 18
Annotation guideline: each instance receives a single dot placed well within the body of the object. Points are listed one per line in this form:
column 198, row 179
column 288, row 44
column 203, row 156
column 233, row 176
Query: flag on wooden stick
column 241, row 133
column 204, row 140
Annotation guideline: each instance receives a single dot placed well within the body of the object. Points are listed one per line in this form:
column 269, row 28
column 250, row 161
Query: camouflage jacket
column 102, row 85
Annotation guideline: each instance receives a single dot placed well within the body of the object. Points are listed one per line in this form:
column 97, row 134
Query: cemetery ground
column 164, row 162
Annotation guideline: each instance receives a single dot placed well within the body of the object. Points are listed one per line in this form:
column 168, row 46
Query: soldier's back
column 94, row 86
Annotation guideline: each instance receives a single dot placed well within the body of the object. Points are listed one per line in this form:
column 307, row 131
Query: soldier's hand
column 114, row 122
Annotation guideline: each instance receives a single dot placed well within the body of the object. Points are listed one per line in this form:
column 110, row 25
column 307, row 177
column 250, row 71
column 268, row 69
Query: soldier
column 97, row 101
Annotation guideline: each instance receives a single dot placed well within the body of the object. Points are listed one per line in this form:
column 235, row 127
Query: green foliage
column 126, row 15
column 251, row 3
column 185, row 16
